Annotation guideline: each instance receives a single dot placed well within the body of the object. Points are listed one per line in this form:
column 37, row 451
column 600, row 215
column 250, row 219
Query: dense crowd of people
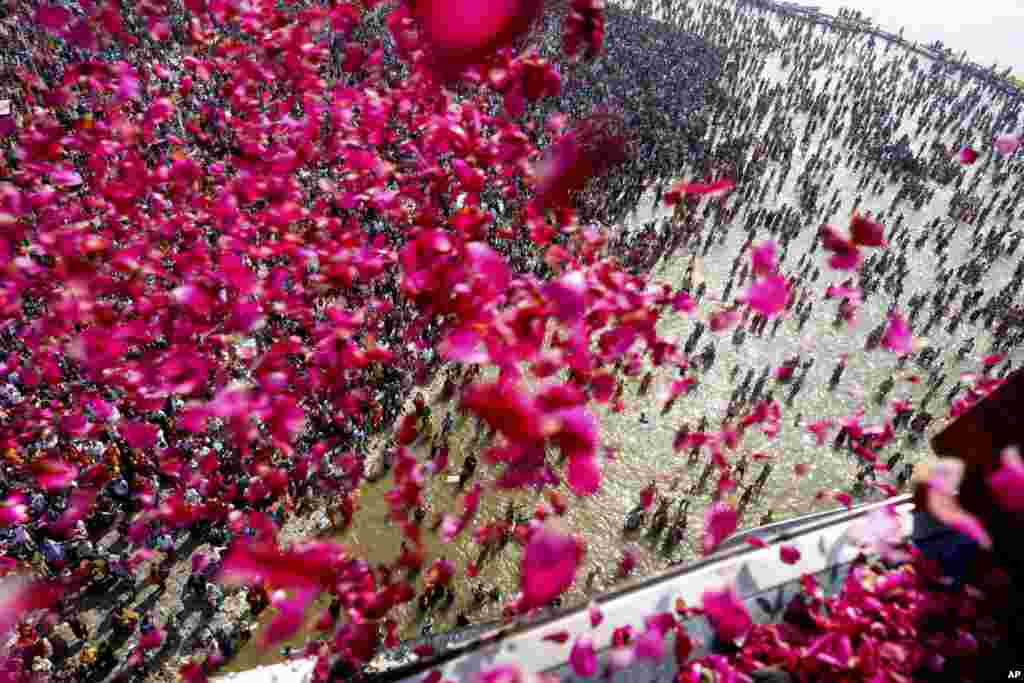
column 228, row 282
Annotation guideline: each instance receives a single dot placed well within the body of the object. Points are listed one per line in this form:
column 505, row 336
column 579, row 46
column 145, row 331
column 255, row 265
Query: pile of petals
column 884, row 624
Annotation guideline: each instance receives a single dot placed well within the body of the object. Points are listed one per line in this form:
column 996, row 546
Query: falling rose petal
column 464, row 346
column 763, row 258
column 820, row 429
column 20, row 596
column 844, row 499
column 152, row 639
column 968, row 156
column 465, row 31
column 897, row 337
column 291, row 615
column 14, row 510
column 784, row 373
column 53, row 18
column 66, row 178
column 558, row 637
column 140, row 435
column 768, row 295
column 53, row 474
column 583, row 659
column 82, row 36
column 847, row 259
column 596, row 616
column 583, row 23
column 992, row 359
column 593, row 147
column 866, row 232
column 683, row 646
column 801, row 469
column 789, row 554
column 584, row 475
column 756, row 542
column 1007, row 482
column 548, row 566
column 723, row 320
column 718, row 188
column 567, row 296
column 727, row 614
column 682, row 302
column 650, row 644
column 1007, row 144
column 846, row 255
column 720, row 520
column 628, row 562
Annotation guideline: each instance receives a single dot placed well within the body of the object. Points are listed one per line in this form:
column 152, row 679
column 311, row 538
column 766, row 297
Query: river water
column 644, row 451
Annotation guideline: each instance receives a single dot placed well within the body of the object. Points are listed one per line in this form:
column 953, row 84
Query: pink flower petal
column 583, row 659
column 866, row 233
column 763, row 258
column 723, row 320
column 820, row 430
column 548, row 566
column 718, row 188
column 19, row 597
column 53, row 474
column 968, row 156
column 789, row 554
column 650, row 644
column 682, row 303
column 584, row 475
column 1007, row 482
column 291, row 615
column 566, row 294
column 66, row 178
column 847, row 259
column 1007, row 144
column 720, row 520
column 727, row 614
column 768, row 295
column 53, row 18
column 596, row 616
column 140, row 435
column 13, row 510
column 463, row 32
column 897, row 337
column 558, row 637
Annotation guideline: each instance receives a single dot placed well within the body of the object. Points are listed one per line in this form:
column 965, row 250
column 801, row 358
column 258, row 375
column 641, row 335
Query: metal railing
column 828, row 543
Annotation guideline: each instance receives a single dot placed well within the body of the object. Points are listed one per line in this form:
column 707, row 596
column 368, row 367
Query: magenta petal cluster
column 1007, row 482
column 727, row 614
column 720, row 520
column 763, row 258
column 582, row 658
column 768, row 295
column 789, row 554
column 897, row 337
column 548, row 566
column 1007, row 144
